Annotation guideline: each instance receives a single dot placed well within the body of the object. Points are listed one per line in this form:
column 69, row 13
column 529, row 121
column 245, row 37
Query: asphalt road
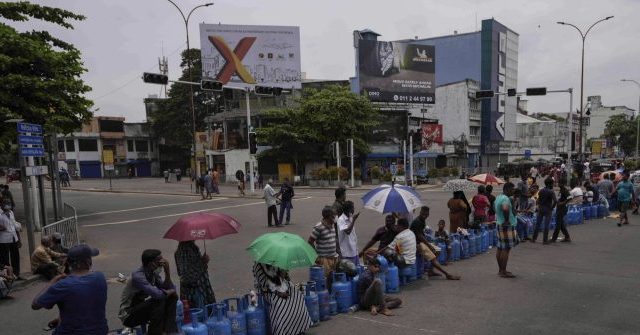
column 587, row 287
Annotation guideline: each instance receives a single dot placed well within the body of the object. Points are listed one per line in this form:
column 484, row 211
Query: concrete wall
column 235, row 160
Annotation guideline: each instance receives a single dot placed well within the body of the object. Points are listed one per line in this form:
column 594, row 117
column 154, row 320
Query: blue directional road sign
column 29, row 140
column 29, row 128
column 32, row 152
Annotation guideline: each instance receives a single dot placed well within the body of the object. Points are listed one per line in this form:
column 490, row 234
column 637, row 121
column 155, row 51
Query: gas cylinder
column 603, row 211
column 255, row 315
column 456, row 246
column 179, row 313
column 342, row 291
column 236, row 316
column 485, row 239
column 333, row 305
column 384, row 264
column 392, row 279
column 217, row 323
column 316, row 273
column 186, row 312
column 472, row 243
column 419, row 266
column 465, row 246
column 442, row 257
column 586, row 212
column 323, row 304
column 354, row 285
column 594, row 211
column 311, row 301
column 195, row 327
column 478, row 237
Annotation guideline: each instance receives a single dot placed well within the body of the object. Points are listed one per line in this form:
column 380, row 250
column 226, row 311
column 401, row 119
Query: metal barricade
column 67, row 227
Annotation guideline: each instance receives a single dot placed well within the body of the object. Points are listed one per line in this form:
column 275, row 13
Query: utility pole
column 353, row 180
column 338, row 162
column 252, row 188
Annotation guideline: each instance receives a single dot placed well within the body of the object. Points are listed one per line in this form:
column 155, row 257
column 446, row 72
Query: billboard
column 397, row 71
column 242, row 56
column 431, row 134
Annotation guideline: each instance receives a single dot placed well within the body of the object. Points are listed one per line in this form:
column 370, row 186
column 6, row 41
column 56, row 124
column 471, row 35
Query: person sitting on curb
column 442, row 234
column 384, row 235
column 424, row 247
column 6, row 280
column 42, row 260
column 371, row 291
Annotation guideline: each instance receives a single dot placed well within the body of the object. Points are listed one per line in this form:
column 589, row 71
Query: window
column 87, row 145
column 114, row 126
column 61, row 146
column 142, row 146
column 71, row 147
column 130, row 146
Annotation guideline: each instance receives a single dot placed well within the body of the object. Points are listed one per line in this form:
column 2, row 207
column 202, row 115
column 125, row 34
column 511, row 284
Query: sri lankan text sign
column 29, row 140
column 29, row 128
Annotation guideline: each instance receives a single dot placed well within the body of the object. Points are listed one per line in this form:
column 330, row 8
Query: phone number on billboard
column 411, row 98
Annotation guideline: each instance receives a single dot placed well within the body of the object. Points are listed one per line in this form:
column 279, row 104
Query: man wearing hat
column 81, row 296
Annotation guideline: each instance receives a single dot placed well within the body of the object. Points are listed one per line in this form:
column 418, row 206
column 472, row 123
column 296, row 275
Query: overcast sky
column 120, row 39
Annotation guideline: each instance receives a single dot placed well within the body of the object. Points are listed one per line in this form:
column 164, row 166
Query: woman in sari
column 287, row 311
column 459, row 210
column 194, row 278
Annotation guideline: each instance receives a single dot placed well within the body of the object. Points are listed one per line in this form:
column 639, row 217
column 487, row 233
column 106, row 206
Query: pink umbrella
column 202, row 226
column 486, row 179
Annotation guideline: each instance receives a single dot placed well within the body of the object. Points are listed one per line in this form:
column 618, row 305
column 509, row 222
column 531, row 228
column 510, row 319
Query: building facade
column 490, row 57
column 600, row 114
column 82, row 153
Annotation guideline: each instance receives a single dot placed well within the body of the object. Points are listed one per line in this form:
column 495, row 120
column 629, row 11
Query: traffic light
column 253, row 144
column 537, row 91
column 263, row 90
column 155, row 78
column 484, row 94
column 211, row 85
column 511, row 92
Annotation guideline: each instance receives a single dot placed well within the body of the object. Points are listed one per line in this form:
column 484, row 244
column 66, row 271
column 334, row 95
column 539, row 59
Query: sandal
column 507, row 275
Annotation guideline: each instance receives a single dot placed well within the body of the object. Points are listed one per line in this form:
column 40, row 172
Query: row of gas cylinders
column 237, row 316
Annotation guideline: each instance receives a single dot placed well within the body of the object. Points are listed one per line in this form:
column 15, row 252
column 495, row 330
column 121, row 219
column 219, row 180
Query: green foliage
column 400, row 172
column 387, row 176
column 315, row 174
column 301, row 132
column 344, row 173
column 40, row 75
column 324, row 173
column 432, row 173
column 621, row 130
column 375, row 172
column 453, row 171
column 631, row 164
column 357, row 173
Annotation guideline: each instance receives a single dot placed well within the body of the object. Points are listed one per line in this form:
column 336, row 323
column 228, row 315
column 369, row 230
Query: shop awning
column 425, row 154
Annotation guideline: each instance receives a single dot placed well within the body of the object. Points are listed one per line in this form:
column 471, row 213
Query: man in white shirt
column 9, row 239
column 347, row 237
column 271, row 201
column 405, row 242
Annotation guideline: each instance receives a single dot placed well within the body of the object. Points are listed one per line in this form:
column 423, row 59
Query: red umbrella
column 486, row 179
column 202, row 226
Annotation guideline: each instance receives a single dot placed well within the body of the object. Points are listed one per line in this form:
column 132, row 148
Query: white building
column 600, row 114
column 536, row 138
column 457, row 110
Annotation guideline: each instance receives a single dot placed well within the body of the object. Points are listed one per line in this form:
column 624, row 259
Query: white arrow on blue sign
column 29, row 128
column 32, row 152
column 29, row 140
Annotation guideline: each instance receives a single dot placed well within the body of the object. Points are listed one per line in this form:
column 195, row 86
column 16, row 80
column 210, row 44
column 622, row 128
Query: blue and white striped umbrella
column 388, row 198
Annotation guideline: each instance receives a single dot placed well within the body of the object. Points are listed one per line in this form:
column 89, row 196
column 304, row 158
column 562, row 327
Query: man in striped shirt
column 323, row 239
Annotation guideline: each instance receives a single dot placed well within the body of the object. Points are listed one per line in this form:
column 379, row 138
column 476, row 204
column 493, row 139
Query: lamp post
column 196, row 166
column 637, row 119
column 584, row 37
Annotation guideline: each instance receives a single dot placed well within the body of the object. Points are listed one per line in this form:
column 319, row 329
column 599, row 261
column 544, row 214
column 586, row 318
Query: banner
column 431, row 134
column 397, row 72
column 243, row 55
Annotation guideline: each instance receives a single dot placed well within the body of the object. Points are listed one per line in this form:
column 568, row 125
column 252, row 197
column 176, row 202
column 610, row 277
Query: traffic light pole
column 252, row 187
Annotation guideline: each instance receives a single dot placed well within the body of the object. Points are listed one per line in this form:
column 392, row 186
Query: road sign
column 32, row 152
column 527, row 153
column 29, row 128
column 36, row 170
column 394, row 169
column 30, row 140
column 109, row 167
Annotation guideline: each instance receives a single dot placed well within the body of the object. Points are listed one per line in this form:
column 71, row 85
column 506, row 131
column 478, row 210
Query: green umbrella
column 284, row 250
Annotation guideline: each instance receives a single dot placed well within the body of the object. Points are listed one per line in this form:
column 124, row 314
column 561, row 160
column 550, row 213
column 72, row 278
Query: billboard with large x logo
column 242, row 56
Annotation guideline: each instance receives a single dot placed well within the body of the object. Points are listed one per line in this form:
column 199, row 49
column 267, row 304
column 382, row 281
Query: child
column 371, row 291
column 443, row 235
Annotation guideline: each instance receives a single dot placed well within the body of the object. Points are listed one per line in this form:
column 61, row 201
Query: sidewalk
column 184, row 187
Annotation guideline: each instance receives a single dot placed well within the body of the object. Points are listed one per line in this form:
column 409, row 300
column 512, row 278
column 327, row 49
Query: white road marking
column 181, row 214
column 148, row 207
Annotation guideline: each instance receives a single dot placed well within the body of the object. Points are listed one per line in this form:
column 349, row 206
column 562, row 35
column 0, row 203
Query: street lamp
column 637, row 118
column 193, row 110
column 584, row 37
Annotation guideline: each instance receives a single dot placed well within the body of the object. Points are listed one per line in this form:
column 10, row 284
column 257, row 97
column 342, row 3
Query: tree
column 173, row 119
column 621, row 130
column 40, row 74
column 301, row 133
